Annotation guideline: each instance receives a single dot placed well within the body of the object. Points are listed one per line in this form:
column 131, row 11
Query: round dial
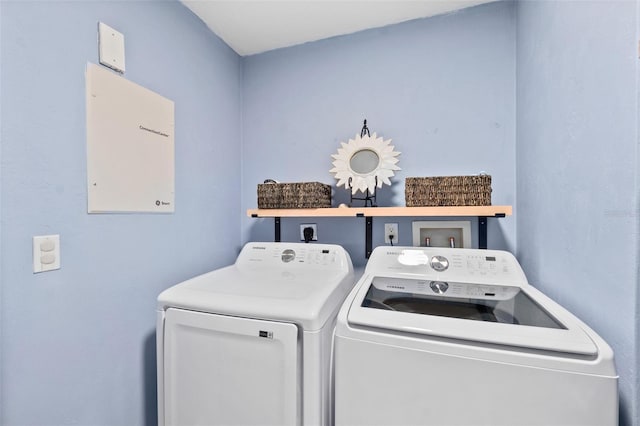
column 439, row 263
column 288, row 255
column 439, row 286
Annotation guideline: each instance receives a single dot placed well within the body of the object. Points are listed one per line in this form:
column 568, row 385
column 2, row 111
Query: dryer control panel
column 447, row 265
column 292, row 255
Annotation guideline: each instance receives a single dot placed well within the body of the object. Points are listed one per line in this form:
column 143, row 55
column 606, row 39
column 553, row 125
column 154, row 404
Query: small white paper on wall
column 130, row 146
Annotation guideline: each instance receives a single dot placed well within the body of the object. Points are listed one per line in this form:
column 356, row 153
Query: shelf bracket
column 368, row 234
column 368, row 242
column 482, row 232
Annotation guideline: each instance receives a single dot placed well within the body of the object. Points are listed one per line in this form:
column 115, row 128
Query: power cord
column 391, row 239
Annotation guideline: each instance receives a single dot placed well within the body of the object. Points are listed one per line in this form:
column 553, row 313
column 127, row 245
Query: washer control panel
column 442, row 288
column 448, row 264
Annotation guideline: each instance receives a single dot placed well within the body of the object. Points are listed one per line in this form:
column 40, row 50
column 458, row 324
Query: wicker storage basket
column 299, row 195
column 448, row 191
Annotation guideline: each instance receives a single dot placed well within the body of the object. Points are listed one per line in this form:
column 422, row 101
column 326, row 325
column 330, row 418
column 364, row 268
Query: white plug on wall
column 391, row 233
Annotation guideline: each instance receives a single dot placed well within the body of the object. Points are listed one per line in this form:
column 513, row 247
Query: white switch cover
column 111, row 47
column 46, row 253
column 391, row 229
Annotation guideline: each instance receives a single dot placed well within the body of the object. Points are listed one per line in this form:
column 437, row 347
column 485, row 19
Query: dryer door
column 222, row 370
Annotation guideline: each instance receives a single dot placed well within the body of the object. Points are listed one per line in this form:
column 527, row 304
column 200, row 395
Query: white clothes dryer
column 439, row 336
column 250, row 344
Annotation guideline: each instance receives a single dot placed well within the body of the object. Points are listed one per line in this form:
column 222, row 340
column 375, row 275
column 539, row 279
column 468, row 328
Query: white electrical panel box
column 130, row 146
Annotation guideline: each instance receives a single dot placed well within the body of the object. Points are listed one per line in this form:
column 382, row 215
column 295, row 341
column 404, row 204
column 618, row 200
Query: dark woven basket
column 448, row 191
column 300, row 195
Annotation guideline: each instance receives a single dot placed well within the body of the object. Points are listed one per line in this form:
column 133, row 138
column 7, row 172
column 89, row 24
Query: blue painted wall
column 577, row 157
column 78, row 344
column 443, row 89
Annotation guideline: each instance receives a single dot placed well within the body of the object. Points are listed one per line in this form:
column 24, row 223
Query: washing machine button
column 439, row 286
column 439, row 263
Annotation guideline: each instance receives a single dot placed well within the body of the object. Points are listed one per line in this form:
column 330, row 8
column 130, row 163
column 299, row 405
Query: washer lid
column 290, row 282
column 495, row 314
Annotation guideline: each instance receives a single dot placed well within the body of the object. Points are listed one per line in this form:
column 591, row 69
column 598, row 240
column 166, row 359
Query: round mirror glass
column 364, row 161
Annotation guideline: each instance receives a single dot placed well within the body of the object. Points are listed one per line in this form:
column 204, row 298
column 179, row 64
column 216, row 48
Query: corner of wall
column 635, row 412
column 1, row 222
column 243, row 62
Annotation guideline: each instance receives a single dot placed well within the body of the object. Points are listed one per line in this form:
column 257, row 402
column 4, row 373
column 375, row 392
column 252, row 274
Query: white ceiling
column 255, row 26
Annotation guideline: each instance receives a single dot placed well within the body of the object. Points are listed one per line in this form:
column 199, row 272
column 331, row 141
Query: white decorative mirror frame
column 366, row 162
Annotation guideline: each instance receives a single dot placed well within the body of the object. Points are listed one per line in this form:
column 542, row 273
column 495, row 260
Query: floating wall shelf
column 481, row 212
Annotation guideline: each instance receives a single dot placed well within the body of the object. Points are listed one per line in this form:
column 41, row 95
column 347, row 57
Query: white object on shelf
column 363, row 164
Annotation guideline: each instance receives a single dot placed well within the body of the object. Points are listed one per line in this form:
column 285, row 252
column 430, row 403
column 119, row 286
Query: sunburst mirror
column 364, row 163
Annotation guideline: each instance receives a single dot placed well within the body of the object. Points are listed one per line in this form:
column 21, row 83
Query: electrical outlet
column 309, row 225
column 391, row 229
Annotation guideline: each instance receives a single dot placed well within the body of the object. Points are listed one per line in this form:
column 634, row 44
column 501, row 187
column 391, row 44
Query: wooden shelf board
column 488, row 211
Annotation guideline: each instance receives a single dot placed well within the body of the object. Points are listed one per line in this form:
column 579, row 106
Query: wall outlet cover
column 391, row 229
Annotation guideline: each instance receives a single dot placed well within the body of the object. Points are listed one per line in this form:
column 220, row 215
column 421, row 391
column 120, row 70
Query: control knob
column 439, row 263
column 288, row 255
column 439, row 286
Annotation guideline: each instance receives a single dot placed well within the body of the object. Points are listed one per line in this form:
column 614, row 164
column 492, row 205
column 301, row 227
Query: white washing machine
column 438, row 336
column 250, row 344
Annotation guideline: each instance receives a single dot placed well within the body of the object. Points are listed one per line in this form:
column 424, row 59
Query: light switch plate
column 111, row 47
column 46, row 253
